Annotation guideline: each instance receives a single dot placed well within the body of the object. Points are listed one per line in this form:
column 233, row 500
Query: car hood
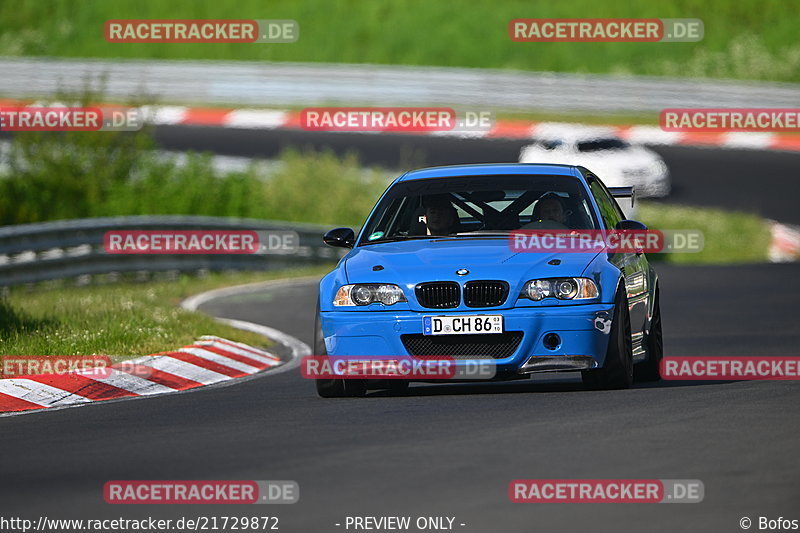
column 407, row 263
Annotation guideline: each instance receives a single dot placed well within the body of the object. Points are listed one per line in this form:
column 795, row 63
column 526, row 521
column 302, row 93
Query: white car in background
column 617, row 162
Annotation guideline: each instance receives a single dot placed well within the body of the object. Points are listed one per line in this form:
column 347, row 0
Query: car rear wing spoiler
column 623, row 192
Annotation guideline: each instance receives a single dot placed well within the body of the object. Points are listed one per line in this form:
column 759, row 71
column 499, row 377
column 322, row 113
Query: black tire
column 617, row 371
column 649, row 370
column 334, row 388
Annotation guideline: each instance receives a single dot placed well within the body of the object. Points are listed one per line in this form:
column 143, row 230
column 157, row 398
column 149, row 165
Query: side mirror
column 340, row 237
column 631, row 225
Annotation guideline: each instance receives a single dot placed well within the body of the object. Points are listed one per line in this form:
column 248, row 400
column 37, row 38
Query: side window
column 609, row 209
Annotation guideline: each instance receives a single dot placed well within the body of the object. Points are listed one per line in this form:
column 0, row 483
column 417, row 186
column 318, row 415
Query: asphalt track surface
column 761, row 182
column 451, row 450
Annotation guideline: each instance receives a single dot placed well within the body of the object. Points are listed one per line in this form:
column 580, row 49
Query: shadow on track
column 561, row 384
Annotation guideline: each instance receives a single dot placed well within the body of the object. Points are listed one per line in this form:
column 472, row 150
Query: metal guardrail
column 264, row 84
column 32, row 253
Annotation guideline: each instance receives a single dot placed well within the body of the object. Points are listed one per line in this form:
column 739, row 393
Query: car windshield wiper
column 471, row 234
column 397, row 238
column 479, row 234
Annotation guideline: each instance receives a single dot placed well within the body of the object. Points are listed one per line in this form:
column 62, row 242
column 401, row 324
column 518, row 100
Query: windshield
column 479, row 206
column 602, row 144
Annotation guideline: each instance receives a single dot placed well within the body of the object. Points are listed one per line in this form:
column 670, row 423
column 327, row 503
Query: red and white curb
column 275, row 119
column 208, row 361
column 785, row 244
column 502, row 129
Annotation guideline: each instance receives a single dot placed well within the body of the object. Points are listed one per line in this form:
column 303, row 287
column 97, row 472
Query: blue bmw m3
column 432, row 274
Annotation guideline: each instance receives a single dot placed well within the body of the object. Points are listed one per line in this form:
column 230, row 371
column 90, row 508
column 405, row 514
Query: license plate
column 462, row 325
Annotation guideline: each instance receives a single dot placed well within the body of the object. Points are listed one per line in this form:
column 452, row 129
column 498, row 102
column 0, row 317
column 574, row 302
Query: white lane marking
column 206, row 339
column 221, row 360
column 649, row 135
column 298, row 348
column 270, row 360
column 193, row 302
column 785, row 243
column 164, row 114
column 241, row 345
column 454, row 133
column 181, row 369
column 748, row 139
column 255, row 118
column 558, row 130
column 125, row 381
column 39, row 393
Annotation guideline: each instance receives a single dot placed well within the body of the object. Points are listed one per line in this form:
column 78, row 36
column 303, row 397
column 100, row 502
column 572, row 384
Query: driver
column 441, row 218
column 549, row 213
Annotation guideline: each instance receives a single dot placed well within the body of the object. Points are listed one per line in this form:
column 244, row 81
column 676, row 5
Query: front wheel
column 335, row 388
column 617, row 370
column 341, row 388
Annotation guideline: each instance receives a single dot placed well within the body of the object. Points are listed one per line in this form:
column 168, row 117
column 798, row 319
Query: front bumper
column 583, row 331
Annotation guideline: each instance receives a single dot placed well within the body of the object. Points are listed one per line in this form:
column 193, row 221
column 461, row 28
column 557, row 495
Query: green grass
column 121, row 320
column 744, row 39
column 54, row 177
column 729, row 237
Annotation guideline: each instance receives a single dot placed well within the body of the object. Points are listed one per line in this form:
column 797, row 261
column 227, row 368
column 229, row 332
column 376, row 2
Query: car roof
column 506, row 169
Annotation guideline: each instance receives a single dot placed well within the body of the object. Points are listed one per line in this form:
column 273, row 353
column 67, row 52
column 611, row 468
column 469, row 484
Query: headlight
column 561, row 288
column 368, row 293
column 565, row 289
